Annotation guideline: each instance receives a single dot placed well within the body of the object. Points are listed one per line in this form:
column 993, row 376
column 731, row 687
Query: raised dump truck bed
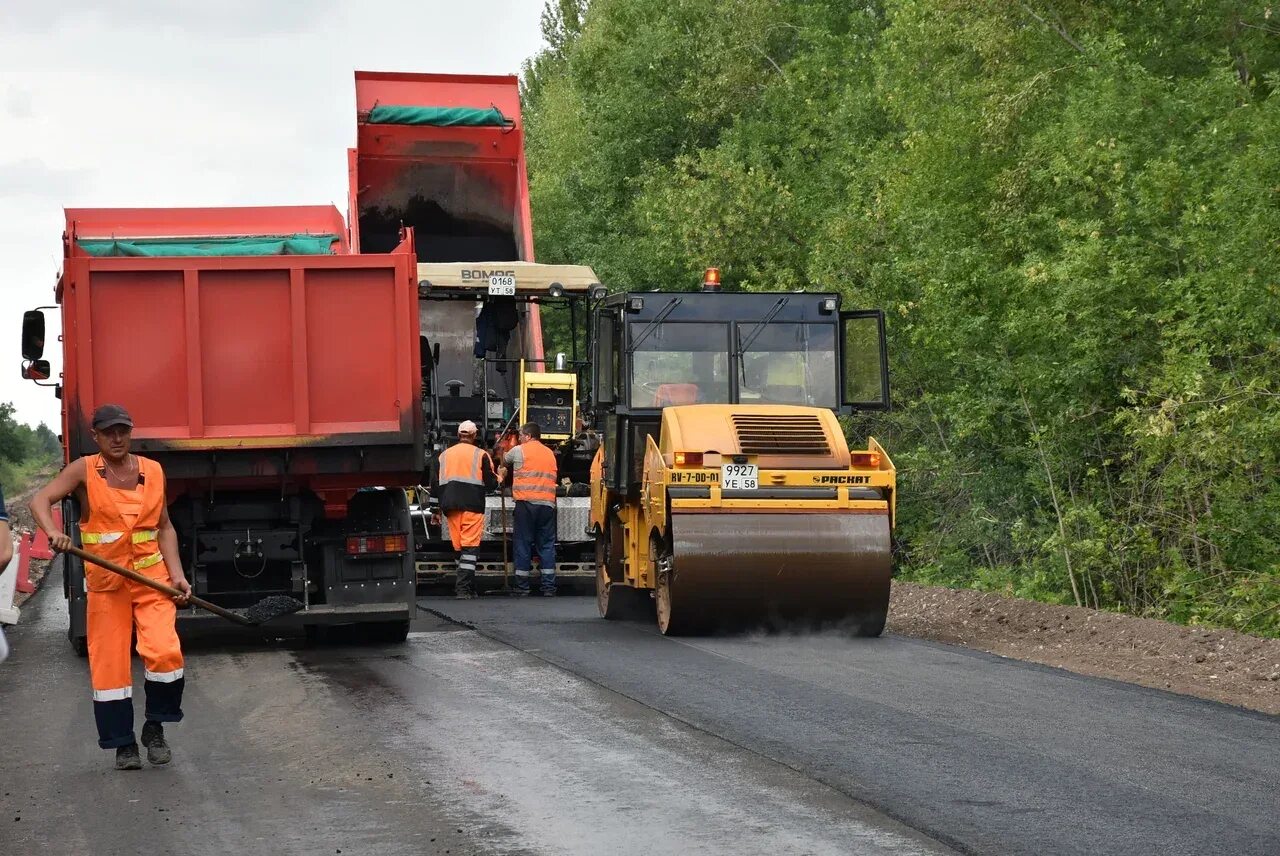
column 443, row 154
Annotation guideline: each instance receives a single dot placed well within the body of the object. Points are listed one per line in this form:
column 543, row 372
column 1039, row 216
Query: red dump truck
column 274, row 359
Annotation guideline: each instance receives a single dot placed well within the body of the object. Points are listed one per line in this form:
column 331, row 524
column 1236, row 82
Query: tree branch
column 1056, row 26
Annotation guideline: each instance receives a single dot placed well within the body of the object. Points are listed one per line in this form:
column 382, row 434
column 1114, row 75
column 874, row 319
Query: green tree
column 1067, row 208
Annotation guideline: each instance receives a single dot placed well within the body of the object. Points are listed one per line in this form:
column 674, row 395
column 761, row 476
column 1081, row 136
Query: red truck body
column 245, row 355
column 272, row 358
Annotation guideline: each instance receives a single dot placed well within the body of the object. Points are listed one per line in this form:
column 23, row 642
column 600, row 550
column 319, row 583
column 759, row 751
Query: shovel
column 506, row 562
column 263, row 611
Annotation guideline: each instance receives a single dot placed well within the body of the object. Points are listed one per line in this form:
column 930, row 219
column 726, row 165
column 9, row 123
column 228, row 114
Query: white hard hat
column 467, row 428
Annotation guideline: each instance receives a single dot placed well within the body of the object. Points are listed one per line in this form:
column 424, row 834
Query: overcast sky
column 183, row 103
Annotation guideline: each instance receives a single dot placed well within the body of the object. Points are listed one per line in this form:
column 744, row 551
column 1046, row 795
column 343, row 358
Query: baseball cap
column 467, row 427
column 111, row 414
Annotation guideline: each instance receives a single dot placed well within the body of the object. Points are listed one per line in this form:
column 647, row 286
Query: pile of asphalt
column 269, row 608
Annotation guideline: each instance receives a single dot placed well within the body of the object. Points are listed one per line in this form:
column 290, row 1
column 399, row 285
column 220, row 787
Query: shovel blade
column 270, row 608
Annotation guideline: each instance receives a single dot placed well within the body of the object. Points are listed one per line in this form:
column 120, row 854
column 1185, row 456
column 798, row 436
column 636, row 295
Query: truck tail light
column 368, row 545
column 866, row 460
column 688, row 459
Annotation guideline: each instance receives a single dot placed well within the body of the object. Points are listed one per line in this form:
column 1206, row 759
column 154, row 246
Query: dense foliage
column 1069, row 208
column 23, row 450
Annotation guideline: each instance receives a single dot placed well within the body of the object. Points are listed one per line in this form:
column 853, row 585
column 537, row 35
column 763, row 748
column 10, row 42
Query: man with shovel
column 125, row 520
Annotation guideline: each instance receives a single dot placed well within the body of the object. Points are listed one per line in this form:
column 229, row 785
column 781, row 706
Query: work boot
column 464, row 595
column 519, row 592
column 127, row 758
column 158, row 752
column 548, row 592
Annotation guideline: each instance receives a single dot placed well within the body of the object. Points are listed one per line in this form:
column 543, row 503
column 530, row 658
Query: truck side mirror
column 36, row 370
column 32, row 334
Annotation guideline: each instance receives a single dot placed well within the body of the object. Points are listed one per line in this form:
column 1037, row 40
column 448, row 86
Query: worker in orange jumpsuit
column 125, row 519
column 463, row 475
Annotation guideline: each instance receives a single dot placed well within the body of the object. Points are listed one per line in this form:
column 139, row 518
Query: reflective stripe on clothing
column 148, row 561
column 113, row 695
column 162, row 677
column 534, row 479
column 140, row 537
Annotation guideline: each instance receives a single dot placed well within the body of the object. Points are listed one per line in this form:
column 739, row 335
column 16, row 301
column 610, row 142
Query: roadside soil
column 1221, row 665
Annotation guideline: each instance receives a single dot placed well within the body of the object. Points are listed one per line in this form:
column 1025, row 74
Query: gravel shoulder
column 1220, row 665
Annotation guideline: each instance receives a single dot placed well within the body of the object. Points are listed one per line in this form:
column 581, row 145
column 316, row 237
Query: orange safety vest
column 535, row 480
column 109, row 533
column 462, row 462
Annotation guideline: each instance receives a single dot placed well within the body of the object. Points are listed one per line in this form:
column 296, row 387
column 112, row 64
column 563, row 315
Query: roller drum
column 732, row 569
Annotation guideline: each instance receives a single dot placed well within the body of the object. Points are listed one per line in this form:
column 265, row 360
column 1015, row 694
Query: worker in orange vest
column 463, row 475
column 125, row 520
column 533, row 485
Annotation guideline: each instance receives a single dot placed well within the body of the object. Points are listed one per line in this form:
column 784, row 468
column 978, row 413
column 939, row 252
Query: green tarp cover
column 393, row 114
column 269, row 245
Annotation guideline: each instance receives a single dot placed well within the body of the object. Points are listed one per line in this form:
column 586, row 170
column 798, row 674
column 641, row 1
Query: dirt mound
column 1221, row 665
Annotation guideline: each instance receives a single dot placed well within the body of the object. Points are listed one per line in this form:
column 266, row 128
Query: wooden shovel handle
column 157, row 585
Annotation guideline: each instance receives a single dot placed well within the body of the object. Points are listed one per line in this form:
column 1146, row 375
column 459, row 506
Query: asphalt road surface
column 984, row 754
column 548, row 730
column 451, row 743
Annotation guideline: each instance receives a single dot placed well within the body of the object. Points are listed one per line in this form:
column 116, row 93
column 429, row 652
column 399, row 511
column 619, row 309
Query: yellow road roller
column 725, row 493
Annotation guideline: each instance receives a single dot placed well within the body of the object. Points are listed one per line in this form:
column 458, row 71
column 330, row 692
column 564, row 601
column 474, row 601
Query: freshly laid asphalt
column 985, row 754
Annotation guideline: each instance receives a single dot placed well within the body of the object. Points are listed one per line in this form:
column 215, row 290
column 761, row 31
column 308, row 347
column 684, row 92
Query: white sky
column 181, row 103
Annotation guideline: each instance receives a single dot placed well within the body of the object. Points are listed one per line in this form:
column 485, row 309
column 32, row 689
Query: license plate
column 502, row 285
column 739, row 477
